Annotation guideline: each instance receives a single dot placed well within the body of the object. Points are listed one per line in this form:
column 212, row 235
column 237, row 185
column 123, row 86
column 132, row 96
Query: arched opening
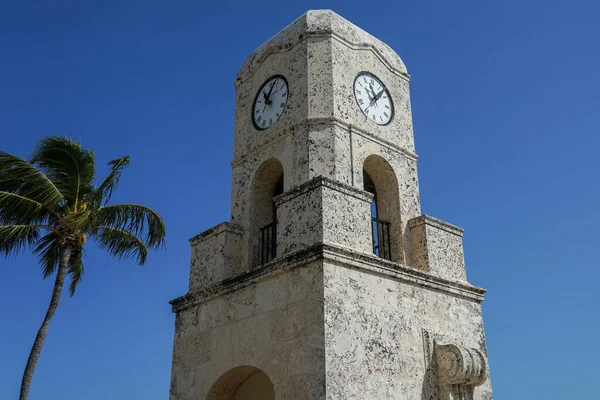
column 370, row 187
column 267, row 183
column 242, row 383
column 379, row 178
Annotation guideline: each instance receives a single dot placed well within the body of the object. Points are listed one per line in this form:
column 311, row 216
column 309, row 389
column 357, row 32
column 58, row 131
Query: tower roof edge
column 315, row 23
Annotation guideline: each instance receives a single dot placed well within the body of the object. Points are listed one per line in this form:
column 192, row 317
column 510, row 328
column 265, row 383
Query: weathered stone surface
column 374, row 333
column 323, row 211
column 367, row 326
column 215, row 256
column 323, row 317
column 268, row 325
column 437, row 247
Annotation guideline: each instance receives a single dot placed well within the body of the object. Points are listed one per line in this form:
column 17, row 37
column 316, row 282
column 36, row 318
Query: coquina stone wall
column 379, row 333
column 272, row 321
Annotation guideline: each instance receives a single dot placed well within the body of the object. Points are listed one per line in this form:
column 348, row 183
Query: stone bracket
column 460, row 365
column 452, row 371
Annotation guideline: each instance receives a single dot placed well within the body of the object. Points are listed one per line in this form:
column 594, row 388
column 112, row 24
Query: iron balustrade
column 268, row 242
column 381, row 238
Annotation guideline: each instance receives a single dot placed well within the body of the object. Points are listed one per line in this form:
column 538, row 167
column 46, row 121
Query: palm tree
column 51, row 205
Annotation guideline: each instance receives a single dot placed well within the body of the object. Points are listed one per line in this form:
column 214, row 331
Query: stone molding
column 402, row 273
column 329, row 121
column 322, row 24
column 365, row 134
column 216, row 230
column 340, row 256
column 385, row 60
column 438, row 223
column 320, row 181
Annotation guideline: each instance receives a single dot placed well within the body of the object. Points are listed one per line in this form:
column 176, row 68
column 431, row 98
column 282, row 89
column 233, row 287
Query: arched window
column 370, row 187
column 267, row 183
column 379, row 178
column 242, row 383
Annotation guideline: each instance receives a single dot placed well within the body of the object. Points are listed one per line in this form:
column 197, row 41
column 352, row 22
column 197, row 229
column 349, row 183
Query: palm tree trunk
column 36, row 350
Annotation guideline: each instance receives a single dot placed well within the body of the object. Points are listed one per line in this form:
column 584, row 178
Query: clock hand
column 372, row 91
column 370, row 100
column 266, row 99
column 373, row 100
column 377, row 96
column 270, row 90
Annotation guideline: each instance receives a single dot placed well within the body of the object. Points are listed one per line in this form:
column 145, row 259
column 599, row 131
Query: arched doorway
column 242, row 383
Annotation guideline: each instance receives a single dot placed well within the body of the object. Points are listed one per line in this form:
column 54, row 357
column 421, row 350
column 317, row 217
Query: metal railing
column 381, row 238
column 268, row 242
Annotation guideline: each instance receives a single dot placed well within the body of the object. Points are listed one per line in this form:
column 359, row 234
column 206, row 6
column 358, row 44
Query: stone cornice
column 329, row 121
column 401, row 73
column 402, row 273
column 216, row 230
column 265, row 271
column 364, row 133
column 438, row 223
column 322, row 24
column 339, row 256
column 325, row 182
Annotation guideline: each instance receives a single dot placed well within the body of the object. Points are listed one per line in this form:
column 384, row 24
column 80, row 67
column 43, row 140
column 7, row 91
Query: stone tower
column 328, row 283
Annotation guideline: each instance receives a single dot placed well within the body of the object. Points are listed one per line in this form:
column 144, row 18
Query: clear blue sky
column 506, row 115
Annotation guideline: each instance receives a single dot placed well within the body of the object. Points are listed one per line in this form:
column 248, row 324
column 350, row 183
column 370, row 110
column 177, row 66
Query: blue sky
column 505, row 105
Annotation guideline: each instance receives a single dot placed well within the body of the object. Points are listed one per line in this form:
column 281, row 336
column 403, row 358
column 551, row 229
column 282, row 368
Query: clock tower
column 327, row 283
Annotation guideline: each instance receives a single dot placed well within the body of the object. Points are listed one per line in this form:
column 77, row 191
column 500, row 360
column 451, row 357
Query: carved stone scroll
column 460, row 366
column 459, row 370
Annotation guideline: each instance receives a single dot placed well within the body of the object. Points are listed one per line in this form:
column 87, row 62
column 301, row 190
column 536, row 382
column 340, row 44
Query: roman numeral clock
column 270, row 102
column 373, row 98
column 327, row 282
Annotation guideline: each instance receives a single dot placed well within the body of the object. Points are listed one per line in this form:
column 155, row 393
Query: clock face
column 373, row 98
column 270, row 102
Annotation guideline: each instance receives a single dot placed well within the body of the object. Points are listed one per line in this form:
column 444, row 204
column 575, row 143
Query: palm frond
column 102, row 193
column 75, row 269
column 68, row 165
column 14, row 237
column 47, row 248
column 121, row 244
column 136, row 219
column 21, row 177
column 17, row 209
